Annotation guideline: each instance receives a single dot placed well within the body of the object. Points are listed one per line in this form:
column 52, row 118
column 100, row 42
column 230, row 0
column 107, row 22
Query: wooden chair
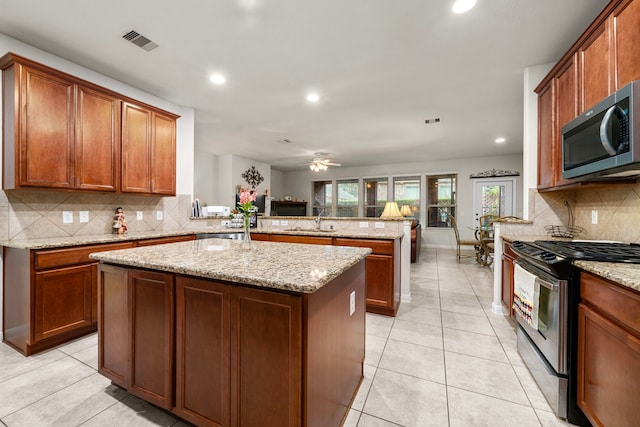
column 485, row 235
column 460, row 243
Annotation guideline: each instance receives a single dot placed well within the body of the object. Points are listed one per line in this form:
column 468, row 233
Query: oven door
column 550, row 337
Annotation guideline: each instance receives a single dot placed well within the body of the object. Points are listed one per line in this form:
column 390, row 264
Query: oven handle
column 551, row 285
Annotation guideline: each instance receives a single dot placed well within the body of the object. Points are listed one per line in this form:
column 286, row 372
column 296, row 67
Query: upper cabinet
column 63, row 132
column 603, row 60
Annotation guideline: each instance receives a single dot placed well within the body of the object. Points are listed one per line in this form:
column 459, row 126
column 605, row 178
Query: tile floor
column 445, row 360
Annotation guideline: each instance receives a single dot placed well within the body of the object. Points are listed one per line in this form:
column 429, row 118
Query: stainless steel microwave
column 601, row 142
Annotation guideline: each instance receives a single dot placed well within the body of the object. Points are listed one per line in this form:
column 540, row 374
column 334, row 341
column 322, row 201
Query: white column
column 496, row 305
column 405, row 263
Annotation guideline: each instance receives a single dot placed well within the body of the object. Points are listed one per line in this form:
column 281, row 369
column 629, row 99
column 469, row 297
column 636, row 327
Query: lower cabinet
column 608, row 352
column 508, row 258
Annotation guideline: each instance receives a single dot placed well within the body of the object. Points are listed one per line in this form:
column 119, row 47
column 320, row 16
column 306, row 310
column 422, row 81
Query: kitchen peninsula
column 223, row 335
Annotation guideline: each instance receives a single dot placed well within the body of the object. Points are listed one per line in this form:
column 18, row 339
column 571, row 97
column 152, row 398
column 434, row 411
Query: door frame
column 496, row 179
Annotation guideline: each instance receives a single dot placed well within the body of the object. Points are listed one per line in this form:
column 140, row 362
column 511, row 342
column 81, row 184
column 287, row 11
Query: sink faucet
column 318, row 222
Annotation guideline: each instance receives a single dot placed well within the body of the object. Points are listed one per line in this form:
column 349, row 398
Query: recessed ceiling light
column 218, row 79
column 500, row 140
column 313, row 97
column 462, row 6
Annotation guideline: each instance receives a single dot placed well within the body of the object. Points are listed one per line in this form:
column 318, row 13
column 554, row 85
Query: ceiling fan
column 321, row 162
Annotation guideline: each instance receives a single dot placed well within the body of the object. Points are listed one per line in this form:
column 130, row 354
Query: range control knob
column 548, row 256
column 518, row 244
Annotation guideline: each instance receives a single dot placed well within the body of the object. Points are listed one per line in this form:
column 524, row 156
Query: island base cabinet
column 113, row 324
column 202, row 327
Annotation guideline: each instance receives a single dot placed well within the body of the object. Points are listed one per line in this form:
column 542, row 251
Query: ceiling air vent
column 140, row 40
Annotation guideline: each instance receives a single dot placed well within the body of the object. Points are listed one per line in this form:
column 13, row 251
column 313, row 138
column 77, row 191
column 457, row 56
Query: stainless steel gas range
column 547, row 293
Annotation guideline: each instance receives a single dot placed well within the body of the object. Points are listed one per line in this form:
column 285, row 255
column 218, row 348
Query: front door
column 493, row 197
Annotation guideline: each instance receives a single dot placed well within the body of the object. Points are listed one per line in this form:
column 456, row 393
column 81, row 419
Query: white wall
column 230, row 170
column 298, row 184
column 205, row 177
column 277, row 184
column 532, row 77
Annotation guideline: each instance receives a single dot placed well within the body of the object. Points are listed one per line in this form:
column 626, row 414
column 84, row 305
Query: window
column 347, row 197
column 376, row 191
column 322, row 193
column 441, row 200
column 406, row 191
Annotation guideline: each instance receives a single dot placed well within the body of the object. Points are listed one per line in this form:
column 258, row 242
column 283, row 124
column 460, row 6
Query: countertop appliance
column 547, row 331
column 602, row 143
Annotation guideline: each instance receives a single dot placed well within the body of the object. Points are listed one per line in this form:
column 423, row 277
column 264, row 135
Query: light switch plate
column 352, row 303
column 67, row 217
column 284, row 222
column 594, row 216
column 139, row 215
column 159, row 215
column 379, row 224
column 84, row 216
column 275, row 222
column 364, row 224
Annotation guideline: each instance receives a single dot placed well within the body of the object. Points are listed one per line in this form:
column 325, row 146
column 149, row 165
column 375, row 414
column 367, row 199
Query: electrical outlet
column 159, row 215
column 139, row 215
column 352, row 303
column 225, row 222
column 364, row 224
column 275, row 222
column 67, row 217
column 379, row 225
column 594, row 216
column 84, row 216
column 284, row 222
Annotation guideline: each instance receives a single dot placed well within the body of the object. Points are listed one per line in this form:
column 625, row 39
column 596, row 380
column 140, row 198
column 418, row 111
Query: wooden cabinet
column 148, row 150
column 508, row 258
column 309, row 240
column 66, row 133
column 163, row 240
column 608, row 352
column 602, row 60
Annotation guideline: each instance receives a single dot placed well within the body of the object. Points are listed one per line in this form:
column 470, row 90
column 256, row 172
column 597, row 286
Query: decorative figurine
column 119, row 222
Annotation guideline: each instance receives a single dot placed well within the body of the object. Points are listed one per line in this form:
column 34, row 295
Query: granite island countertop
column 627, row 275
column 286, row 266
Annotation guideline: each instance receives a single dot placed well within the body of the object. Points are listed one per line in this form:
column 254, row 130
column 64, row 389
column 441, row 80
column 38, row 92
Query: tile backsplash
column 26, row 214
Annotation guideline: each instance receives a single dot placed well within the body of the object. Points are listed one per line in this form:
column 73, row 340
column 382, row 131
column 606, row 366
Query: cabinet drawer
column 508, row 251
column 619, row 303
column 71, row 256
column 163, row 240
column 381, row 247
column 309, row 240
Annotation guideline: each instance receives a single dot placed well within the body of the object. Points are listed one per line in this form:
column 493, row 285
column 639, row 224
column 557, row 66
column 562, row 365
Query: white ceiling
column 381, row 67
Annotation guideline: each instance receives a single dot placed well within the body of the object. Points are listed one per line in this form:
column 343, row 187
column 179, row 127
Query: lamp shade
column 391, row 211
column 406, row 211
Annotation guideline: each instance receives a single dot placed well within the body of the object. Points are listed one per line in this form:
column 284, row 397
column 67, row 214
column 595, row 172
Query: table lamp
column 391, row 211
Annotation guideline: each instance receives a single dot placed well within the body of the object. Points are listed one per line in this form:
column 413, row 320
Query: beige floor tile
column 472, row 344
column 373, row 349
column 417, row 333
column 70, row 406
column 365, row 385
column 88, row 356
column 131, row 412
column 467, row 322
column 79, row 344
column 461, row 304
column 352, row 419
column 468, row 409
column 407, row 400
column 420, row 314
column 369, row 421
column 484, row 376
column 378, row 325
column 415, row 360
column 536, row 398
column 13, row 364
column 549, row 419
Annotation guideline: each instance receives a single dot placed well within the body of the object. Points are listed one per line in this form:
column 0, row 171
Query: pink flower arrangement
column 245, row 205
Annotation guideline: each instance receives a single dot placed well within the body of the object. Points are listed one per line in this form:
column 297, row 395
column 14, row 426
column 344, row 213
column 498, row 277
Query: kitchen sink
column 310, row 230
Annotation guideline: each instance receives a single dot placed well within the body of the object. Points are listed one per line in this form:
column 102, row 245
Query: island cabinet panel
column 266, row 358
column 97, row 140
column 625, row 24
column 202, row 328
column 113, row 324
column 508, row 258
column 608, row 352
column 151, row 311
column 45, row 150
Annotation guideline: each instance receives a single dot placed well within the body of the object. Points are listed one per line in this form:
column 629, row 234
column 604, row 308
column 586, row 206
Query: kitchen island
column 221, row 335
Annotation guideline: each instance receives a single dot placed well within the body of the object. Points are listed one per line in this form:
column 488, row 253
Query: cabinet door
column 113, row 324
column 309, row 240
column 163, row 155
column 595, row 67
column 202, row 328
column 626, row 21
column 46, row 130
column 97, row 161
column 260, row 237
column 379, row 277
column 266, row 358
column 566, row 109
column 151, row 313
column 136, row 145
column 507, row 284
column 62, row 301
column 608, row 371
column 546, row 134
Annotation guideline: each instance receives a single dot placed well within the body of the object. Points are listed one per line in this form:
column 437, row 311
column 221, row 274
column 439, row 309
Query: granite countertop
column 286, row 266
column 627, row 275
column 513, row 221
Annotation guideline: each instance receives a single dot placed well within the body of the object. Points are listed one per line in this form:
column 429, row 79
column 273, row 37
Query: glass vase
column 246, row 240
